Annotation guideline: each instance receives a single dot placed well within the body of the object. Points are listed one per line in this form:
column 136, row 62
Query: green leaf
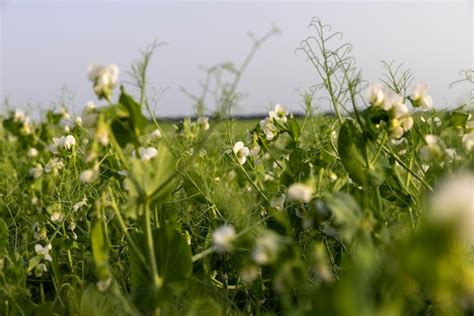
column 347, row 214
column 138, row 121
column 96, row 303
column 355, row 151
column 294, row 129
column 174, row 261
column 150, row 180
column 350, row 145
column 34, row 262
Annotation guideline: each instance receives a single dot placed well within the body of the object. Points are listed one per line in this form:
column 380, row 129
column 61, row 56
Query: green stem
column 151, row 247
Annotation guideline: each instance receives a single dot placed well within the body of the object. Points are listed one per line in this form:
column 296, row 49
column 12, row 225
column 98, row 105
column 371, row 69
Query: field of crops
column 369, row 211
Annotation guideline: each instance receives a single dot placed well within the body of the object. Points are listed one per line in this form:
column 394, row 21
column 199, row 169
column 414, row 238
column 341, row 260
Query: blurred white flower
column 241, row 152
column 19, row 116
column 453, row 201
column 156, row 134
column 420, row 98
column 89, row 115
column 54, row 165
column 44, row 251
column 203, row 122
column 265, row 250
column 57, row 216
column 145, row 154
column 103, row 285
column 40, row 269
column 66, row 142
column 105, row 78
column 376, row 94
column 80, row 204
column 89, row 175
column 223, row 237
column 278, row 202
column 268, row 128
column 36, row 171
column 300, row 192
column 279, row 114
column 434, row 148
column 254, row 150
column 32, row 152
column 468, row 141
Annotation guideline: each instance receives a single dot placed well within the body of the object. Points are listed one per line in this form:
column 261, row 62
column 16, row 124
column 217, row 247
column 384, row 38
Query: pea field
column 364, row 210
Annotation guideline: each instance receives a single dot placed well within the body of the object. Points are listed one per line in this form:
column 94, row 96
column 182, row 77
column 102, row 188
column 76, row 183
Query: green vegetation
column 368, row 212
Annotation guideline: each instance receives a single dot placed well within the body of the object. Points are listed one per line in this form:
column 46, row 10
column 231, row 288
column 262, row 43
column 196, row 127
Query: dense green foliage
column 363, row 213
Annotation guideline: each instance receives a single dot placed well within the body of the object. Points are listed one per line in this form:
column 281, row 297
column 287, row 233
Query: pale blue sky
column 47, row 45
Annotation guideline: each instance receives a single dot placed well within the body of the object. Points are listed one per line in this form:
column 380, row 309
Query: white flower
column 203, row 122
column 89, row 175
column 399, row 109
column 420, row 98
column 278, row 202
column 266, row 249
column 241, row 152
column 278, row 114
column 36, row 171
column 43, row 251
column 156, row 134
column 68, row 142
column 468, row 141
column 89, row 115
column 105, row 79
column 300, row 192
column 223, row 237
column 268, row 128
column 376, row 94
column 254, row 150
column 80, row 204
column 146, row 154
column 103, row 285
column 57, row 216
column 19, row 116
column 433, row 149
column 32, row 152
column 53, row 166
column 453, row 201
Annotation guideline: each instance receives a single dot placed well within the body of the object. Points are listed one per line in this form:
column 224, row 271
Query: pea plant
column 367, row 211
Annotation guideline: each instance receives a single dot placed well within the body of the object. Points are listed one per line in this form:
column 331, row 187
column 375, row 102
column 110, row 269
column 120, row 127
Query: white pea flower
column 156, row 134
column 44, row 251
column 420, row 98
column 105, row 78
column 54, row 165
column 32, row 152
column 203, row 122
column 241, row 152
column 57, row 216
column 103, row 285
column 68, row 142
column 223, row 237
column 452, row 201
column 266, row 249
column 468, row 141
column 89, row 175
column 254, row 150
column 433, row 148
column 279, row 114
column 300, row 192
column 36, row 171
column 89, row 115
column 19, row 116
column 268, row 128
column 145, row 154
column 278, row 202
column 80, row 204
column 376, row 94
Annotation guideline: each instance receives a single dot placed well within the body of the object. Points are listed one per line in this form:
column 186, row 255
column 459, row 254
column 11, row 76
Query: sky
column 46, row 46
